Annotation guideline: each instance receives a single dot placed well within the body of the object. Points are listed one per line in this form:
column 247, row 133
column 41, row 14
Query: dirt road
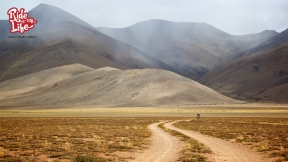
column 164, row 148
column 222, row 150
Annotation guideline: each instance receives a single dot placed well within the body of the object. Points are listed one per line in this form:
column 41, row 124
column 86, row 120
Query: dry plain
column 123, row 134
column 233, row 110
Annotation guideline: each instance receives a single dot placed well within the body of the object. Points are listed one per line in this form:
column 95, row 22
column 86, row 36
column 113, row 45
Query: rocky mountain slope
column 193, row 48
column 260, row 73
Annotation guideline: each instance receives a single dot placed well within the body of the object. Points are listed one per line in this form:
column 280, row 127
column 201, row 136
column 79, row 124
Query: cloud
column 234, row 17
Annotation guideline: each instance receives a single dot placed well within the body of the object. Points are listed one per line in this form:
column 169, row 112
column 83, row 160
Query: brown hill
column 37, row 81
column 193, row 48
column 68, row 43
column 76, row 85
column 260, row 73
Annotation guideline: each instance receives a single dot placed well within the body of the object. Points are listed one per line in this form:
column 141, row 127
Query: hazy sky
column 232, row 16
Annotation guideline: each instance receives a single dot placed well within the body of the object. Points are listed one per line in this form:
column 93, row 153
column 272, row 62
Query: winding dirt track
column 222, row 150
column 165, row 147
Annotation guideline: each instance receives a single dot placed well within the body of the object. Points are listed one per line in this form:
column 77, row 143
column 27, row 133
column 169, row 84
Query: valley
column 72, row 91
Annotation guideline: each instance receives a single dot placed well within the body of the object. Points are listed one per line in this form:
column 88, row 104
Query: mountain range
column 68, row 42
column 102, row 66
column 194, row 48
column 259, row 73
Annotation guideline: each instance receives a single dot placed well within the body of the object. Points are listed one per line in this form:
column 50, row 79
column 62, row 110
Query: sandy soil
column 222, row 150
column 164, row 148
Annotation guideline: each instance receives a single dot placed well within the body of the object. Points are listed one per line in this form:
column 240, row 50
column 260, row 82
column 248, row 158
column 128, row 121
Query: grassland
column 65, row 139
column 111, row 134
column 267, row 135
column 244, row 110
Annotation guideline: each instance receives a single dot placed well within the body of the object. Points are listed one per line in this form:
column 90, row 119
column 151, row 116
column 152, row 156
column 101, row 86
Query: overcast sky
column 232, row 16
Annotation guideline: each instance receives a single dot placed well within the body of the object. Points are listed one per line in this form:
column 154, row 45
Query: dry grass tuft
column 2, row 154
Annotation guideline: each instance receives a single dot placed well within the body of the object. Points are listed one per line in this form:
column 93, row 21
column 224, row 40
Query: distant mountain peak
column 269, row 32
column 46, row 5
column 43, row 7
column 161, row 25
column 154, row 22
column 165, row 22
column 47, row 14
